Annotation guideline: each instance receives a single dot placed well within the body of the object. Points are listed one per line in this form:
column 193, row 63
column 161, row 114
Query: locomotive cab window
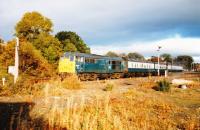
column 71, row 58
column 79, row 59
column 67, row 56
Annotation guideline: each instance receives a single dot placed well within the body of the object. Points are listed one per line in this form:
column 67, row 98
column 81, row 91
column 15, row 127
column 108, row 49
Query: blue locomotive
column 92, row 66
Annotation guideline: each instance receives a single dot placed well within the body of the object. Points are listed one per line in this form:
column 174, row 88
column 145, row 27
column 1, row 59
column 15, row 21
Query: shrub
column 108, row 87
column 71, row 82
column 163, row 85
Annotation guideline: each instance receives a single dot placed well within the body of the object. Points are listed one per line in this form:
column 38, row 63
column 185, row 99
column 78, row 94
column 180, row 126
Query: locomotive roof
column 95, row 56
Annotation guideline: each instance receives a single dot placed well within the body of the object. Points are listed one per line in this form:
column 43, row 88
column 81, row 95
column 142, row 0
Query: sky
column 122, row 26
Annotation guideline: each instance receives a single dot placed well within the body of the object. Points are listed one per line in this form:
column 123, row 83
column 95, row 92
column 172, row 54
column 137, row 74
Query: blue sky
column 118, row 25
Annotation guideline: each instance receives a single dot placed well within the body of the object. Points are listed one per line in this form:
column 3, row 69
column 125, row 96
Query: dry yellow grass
column 134, row 109
column 71, row 82
column 140, row 107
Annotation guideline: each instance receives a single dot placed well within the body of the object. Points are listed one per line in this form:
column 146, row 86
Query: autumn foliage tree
column 35, row 28
column 48, row 46
column 32, row 65
column 31, row 61
column 39, row 50
column 1, row 48
column 33, row 24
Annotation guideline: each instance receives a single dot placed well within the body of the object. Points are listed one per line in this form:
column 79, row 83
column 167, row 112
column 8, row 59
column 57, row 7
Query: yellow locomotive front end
column 67, row 64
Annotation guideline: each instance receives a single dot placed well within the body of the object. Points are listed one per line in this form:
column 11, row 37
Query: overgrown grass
column 27, row 85
column 132, row 110
column 71, row 82
column 135, row 109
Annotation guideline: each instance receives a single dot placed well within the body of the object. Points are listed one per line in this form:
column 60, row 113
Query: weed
column 108, row 87
column 163, row 85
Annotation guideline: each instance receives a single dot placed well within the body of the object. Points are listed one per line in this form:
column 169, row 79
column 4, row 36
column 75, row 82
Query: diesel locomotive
column 92, row 66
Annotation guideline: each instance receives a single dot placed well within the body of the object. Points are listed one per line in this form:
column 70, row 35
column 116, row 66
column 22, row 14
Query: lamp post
column 158, row 50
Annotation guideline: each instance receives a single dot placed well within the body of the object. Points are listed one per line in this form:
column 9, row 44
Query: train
column 92, row 66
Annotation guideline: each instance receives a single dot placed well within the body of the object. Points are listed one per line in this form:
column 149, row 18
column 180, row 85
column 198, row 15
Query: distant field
column 122, row 104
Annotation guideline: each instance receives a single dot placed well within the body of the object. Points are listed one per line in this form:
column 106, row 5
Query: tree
column 49, row 47
column 185, row 61
column 36, row 29
column 69, row 47
column 33, row 24
column 72, row 38
column 167, row 58
column 1, row 40
column 155, row 59
column 136, row 56
column 1, row 48
column 1, row 52
column 31, row 62
column 112, row 54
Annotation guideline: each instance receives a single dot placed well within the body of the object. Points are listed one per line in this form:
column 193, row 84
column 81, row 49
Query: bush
column 71, row 82
column 163, row 85
column 109, row 87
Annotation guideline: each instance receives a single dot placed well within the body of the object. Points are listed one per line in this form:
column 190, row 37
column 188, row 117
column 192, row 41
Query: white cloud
column 96, row 19
column 196, row 59
column 112, row 21
column 175, row 46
